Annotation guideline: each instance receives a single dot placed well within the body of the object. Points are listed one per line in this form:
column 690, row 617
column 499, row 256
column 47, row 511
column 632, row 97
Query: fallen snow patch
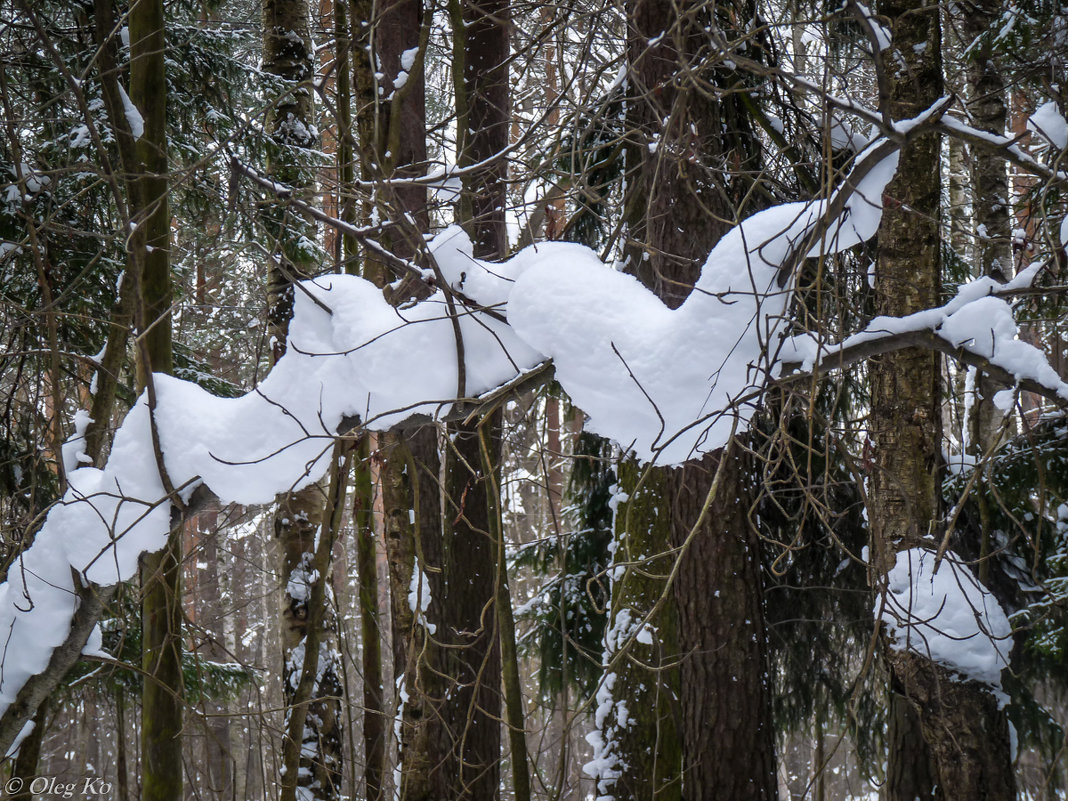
column 947, row 616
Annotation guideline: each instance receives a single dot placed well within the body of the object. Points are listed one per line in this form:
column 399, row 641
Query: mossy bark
column 692, row 162
column 161, row 572
column 967, row 734
column 638, row 702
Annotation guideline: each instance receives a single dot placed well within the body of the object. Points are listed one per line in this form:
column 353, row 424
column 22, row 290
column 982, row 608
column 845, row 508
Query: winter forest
column 488, row 400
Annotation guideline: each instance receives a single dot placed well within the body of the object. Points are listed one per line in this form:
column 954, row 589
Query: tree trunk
column 728, row 736
column 637, row 713
column 480, row 77
column 473, row 708
column 425, row 743
column 987, row 99
column 219, row 755
column 691, row 161
column 910, row 770
column 312, row 752
column 960, row 720
column 25, row 766
column 471, row 659
column 161, row 572
column 307, row 524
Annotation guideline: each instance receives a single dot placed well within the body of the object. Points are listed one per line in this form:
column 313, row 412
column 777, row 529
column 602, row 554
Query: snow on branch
column 663, row 382
column 943, row 613
column 977, row 327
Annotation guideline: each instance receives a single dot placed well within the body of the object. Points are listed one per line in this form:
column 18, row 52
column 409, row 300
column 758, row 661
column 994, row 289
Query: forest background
column 850, row 583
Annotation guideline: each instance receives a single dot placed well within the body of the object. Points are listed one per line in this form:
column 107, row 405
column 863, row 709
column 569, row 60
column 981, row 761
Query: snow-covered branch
column 976, row 327
column 663, row 382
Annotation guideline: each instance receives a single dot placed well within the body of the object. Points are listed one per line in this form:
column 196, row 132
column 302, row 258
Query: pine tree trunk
column 682, row 196
column 911, row 774
column 161, row 572
column 987, row 105
column 967, row 734
column 312, row 752
column 471, row 659
column 728, row 737
column 354, row 38
column 473, row 709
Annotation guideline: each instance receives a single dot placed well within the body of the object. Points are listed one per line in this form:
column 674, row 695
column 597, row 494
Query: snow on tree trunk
column 311, row 687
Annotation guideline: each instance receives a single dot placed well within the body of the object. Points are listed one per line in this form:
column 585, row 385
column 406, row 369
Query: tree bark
column 24, row 766
column 987, row 105
column 480, row 77
column 471, row 659
column 425, row 740
column 473, row 663
column 374, row 712
column 312, row 752
column 161, row 572
column 911, row 773
column 967, row 734
column 691, row 161
column 727, row 731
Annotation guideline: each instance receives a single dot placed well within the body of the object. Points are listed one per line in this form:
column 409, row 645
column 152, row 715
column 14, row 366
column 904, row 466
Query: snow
column 975, row 320
column 133, row 115
column 660, row 381
column 407, row 59
column 946, row 615
column 364, row 358
column 73, row 450
column 94, row 646
column 843, row 137
column 879, row 31
column 105, row 521
column 24, row 732
column 604, row 768
column 664, row 382
column 302, row 578
column 1049, row 123
column 419, row 597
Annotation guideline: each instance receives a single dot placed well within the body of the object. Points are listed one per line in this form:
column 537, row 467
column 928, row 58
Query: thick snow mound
column 668, row 383
column 660, row 379
column 947, row 616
